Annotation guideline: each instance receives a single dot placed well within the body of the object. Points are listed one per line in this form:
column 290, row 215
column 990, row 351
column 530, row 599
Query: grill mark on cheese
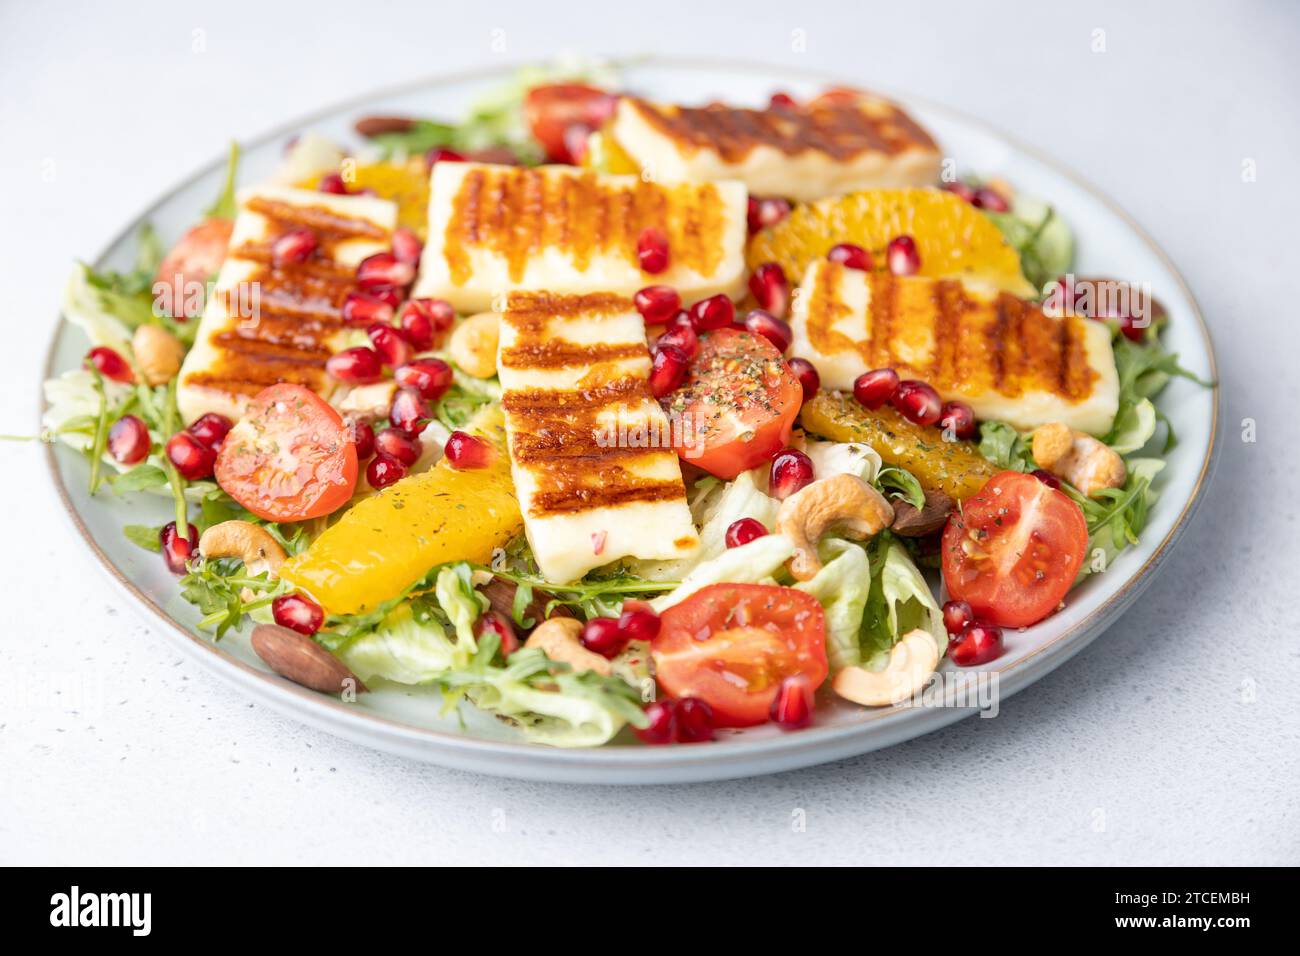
column 840, row 130
column 299, row 306
column 579, row 215
column 1000, row 344
column 559, row 436
column 614, row 487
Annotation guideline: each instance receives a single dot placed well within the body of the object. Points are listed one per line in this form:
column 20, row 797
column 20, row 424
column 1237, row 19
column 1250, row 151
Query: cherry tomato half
column 553, row 110
column 195, row 259
column 290, row 457
column 737, row 405
column 731, row 646
column 1013, row 549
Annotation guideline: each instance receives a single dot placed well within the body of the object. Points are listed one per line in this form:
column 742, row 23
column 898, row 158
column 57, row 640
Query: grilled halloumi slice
column 495, row 229
column 265, row 323
column 831, row 146
column 1001, row 355
column 590, row 450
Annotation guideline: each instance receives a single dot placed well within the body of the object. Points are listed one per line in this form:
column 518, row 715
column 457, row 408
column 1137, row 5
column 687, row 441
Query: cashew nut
column 911, row 663
column 251, row 543
column 158, row 354
column 844, row 503
column 473, row 344
column 368, row 401
column 558, row 638
column 1078, row 458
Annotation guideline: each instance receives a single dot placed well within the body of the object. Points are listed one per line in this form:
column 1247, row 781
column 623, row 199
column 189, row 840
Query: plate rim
column 538, row 761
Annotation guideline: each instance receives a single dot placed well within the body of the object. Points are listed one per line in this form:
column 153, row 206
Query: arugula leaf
column 226, row 205
column 423, row 136
column 100, row 441
column 1001, row 444
column 217, row 588
column 144, row 536
column 140, row 478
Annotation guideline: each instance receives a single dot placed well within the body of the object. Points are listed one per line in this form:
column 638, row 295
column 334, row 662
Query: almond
column 371, row 126
column 298, row 658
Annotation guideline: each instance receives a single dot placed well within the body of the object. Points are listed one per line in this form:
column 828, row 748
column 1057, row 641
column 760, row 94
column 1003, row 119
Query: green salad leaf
column 1003, row 445
column 1040, row 237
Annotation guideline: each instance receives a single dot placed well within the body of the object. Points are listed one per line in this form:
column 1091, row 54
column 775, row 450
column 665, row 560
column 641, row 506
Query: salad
column 622, row 419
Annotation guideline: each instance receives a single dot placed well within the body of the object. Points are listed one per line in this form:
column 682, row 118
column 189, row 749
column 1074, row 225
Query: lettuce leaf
column 841, row 586
column 752, row 563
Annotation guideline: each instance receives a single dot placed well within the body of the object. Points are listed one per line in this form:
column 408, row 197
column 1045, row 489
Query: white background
column 1173, row 739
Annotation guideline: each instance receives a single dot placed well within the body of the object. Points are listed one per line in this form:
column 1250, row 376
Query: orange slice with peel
column 955, row 239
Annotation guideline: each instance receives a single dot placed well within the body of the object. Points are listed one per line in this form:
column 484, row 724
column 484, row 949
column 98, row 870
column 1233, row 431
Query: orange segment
column 385, row 543
column 954, row 238
column 405, row 183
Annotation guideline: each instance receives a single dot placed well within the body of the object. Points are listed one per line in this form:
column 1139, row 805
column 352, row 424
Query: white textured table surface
column 1173, row 739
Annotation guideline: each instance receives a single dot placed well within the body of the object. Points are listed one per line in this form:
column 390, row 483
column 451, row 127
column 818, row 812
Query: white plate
column 405, row 721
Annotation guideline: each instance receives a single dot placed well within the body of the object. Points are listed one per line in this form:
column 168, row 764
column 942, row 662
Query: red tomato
column 290, row 457
column 191, row 263
column 731, row 646
column 553, row 110
column 1013, row 549
column 737, row 404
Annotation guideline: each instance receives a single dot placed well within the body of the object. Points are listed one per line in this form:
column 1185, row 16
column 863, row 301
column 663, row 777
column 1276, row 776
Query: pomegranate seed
column 1064, row 291
column 211, row 429
column 193, row 459
column 776, row 331
column 792, row 707
column 177, row 551
column 333, row 183
column 384, row 268
column 390, row 344
column 409, row 411
column 442, row 155
column 298, row 613
column 430, row 377
column 744, row 531
column 384, row 471
column 663, row 723
column 398, row 444
column 652, row 250
column 363, row 437
column 917, row 402
column 1047, row 478
column 990, row 199
column 128, row 440
column 957, row 616
column 494, row 622
column 1131, row 330
column 355, row 366
column 770, row 288
column 407, row 246
column 426, row 321
column 806, row 373
column 465, row 452
column 638, row 621
column 902, row 256
column 390, row 295
column 657, row 303
column 601, row 635
column 791, row 470
column 960, row 190
column 362, row 309
column 694, row 720
column 110, row 364
column 851, row 256
column 667, row 370
column 715, row 312
column 958, row 418
column 782, row 101
column 296, row 245
column 763, row 213
column 978, row 644
column 682, row 337
column 872, row 389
